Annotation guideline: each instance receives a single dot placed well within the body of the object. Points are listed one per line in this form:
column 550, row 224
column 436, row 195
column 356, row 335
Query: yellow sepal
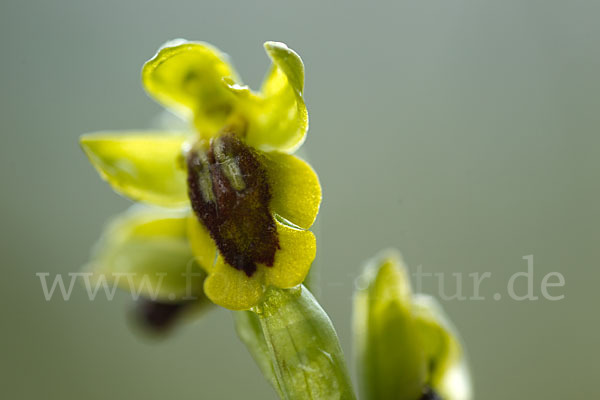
column 144, row 166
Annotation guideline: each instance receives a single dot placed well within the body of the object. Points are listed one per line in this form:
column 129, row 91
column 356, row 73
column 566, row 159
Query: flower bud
column 406, row 348
column 391, row 361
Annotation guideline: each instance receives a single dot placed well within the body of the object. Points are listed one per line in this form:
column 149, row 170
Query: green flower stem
column 298, row 339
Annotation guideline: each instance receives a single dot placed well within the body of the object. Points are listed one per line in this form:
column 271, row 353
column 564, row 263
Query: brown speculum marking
column 230, row 195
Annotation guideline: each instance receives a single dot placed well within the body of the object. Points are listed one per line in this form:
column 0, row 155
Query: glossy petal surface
column 233, row 289
column 294, row 258
column 197, row 81
column 144, row 166
column 192, row 78
column 295, row 188
column 279, row 119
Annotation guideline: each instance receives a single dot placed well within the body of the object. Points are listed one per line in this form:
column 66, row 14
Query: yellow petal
column 203, row 246
column 294, row 258
column 233, row 289
column 279, row 119
column 192, row 78
column 146, row 251
column 295, row 188
column 144, row 166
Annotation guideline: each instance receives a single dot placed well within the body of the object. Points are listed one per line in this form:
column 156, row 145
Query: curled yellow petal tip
column 289, row 61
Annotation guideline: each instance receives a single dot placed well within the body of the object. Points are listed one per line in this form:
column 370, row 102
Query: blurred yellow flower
column 406, row 347
column 248, row 202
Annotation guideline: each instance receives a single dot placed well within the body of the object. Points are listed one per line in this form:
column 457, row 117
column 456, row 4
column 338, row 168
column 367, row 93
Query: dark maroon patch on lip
column 230, row 194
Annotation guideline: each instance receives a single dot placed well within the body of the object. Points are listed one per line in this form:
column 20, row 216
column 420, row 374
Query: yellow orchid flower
column 249, row 201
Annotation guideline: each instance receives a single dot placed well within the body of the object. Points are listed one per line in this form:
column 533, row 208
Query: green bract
column 404, row 344
column 249, row 330
column 294, row 342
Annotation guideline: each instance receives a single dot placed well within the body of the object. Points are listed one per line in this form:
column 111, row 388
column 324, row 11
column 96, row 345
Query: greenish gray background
column 465, row 133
